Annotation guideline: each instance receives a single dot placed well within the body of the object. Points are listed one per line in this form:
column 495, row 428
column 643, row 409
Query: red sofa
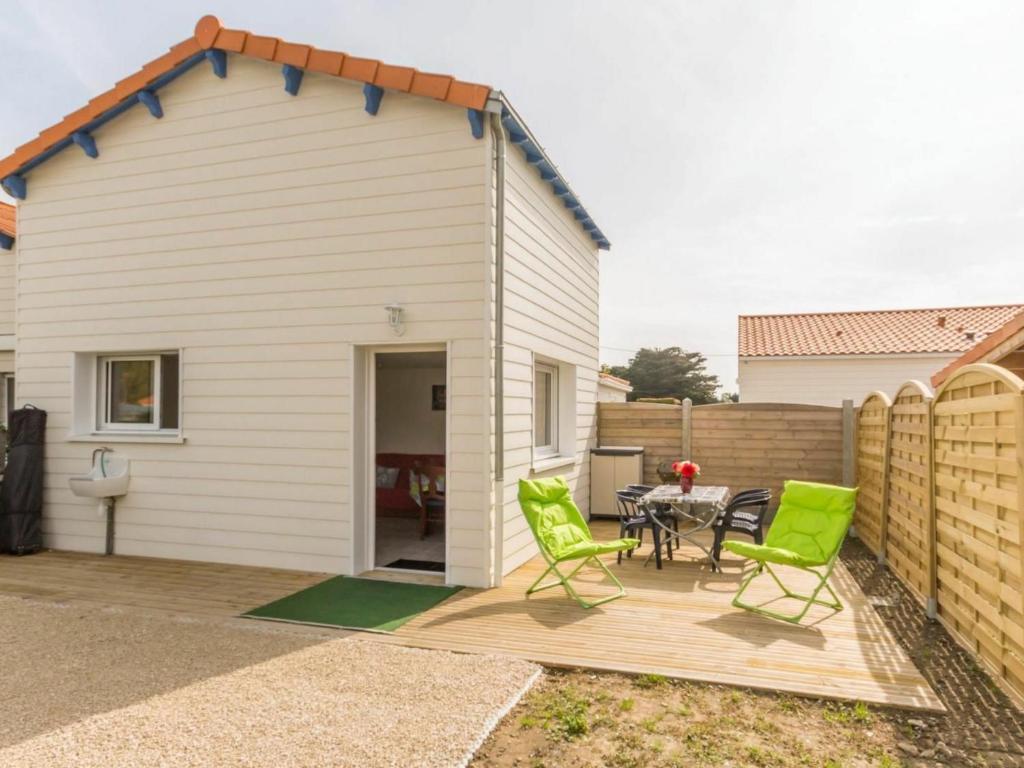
column 397, row 501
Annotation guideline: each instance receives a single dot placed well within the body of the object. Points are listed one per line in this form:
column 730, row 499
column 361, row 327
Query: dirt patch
column 588, row 719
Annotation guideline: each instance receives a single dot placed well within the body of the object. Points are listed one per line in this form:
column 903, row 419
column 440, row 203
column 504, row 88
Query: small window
column 545, row 410
column 138, row 392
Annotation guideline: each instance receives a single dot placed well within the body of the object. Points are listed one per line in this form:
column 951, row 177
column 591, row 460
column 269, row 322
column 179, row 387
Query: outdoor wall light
column 395, row 319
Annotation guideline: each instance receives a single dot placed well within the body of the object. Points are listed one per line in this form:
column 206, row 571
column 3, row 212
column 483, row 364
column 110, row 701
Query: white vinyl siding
column 262, row 234
column 551, row 311
column 830, row 380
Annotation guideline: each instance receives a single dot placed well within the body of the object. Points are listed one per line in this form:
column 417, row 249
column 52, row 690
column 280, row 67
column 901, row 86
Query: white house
column 268, row 275
column 824, row 358
column 612, row 389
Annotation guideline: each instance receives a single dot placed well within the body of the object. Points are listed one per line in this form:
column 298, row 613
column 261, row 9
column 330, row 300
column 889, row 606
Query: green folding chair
column 807, row 533
column 563, row 536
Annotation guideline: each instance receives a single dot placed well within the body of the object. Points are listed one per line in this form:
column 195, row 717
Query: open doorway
column 410, row 399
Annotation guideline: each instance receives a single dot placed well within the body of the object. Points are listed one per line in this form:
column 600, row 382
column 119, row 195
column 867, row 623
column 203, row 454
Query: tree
column 669, row 372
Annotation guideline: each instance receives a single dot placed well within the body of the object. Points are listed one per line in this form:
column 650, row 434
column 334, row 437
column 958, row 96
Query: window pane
column 131, row 387
column 541, row 408
column 169, row 391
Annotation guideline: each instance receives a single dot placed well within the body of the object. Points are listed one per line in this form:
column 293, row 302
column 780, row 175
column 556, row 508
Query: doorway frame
column 365, row 441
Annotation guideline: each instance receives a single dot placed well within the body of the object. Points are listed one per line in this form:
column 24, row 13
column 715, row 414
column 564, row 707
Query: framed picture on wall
column 438, row 397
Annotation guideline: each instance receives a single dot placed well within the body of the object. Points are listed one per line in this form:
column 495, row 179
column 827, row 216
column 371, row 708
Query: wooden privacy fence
column 943, row 506
column 741, row 445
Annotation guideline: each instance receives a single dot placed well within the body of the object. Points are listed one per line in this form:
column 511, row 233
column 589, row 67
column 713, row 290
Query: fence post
column 849, row 446
column 686, row 431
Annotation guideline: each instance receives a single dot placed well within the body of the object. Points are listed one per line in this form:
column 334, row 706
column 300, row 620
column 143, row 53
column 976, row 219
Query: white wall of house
column 262, row 235
column 828, row 380
column 406, row 420
column 551, row 313
column 610, row 392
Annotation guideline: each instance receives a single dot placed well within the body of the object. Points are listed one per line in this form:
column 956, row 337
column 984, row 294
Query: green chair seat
column 591, row 548
column 807, row 533
column 562, row 535
column 766, row 554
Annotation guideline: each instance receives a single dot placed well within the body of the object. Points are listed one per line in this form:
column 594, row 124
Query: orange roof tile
column 8, row 219
column 895, row 331
column 607, row 377
column 210, row 34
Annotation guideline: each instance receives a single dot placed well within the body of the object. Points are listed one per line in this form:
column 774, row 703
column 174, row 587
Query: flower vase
column 685, row 484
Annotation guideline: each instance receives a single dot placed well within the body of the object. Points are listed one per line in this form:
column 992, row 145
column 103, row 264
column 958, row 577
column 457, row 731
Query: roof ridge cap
column 883, row 311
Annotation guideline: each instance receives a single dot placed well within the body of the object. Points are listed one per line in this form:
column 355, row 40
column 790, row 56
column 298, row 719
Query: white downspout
column 498, row 133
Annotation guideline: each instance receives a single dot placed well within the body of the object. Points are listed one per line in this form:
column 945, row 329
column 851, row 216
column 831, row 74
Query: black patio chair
column 743, row 514
column 664, row 510
column 634, row 517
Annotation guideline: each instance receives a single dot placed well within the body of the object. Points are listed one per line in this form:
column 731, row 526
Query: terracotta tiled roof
column 896, row 331
column 210, row 34
column 7, row 219
column 614, row 380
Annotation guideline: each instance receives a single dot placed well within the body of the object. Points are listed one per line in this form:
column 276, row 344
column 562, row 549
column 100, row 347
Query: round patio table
column 699, row 510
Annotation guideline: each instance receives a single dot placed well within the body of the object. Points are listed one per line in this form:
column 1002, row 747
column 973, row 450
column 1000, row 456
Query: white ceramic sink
column 108, row 478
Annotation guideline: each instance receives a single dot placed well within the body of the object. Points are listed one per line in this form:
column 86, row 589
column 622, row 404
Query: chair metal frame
column 808, row 600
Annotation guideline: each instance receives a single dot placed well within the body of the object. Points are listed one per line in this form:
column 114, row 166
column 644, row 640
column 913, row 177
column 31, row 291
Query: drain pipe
column 499, row 298
column 497, row 541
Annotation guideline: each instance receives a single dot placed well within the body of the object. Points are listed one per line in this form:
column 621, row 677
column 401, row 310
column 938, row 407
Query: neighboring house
column 222, row 260
column 824, row 358
column 8, row 234
column 1004, row 346
column 612, row 389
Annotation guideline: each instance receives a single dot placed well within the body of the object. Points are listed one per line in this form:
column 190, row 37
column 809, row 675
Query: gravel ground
column 86, row 686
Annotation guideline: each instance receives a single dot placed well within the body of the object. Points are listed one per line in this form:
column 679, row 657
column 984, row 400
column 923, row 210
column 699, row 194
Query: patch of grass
column 843, row 714
column 650, row 724
column 650, row 681
column 888, row 761
column 564, row 713
column 762, row 757
column 626, row 705
column 787, row 703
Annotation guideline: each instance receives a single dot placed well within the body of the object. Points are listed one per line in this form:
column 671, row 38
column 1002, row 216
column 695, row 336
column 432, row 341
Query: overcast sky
column 743, row 157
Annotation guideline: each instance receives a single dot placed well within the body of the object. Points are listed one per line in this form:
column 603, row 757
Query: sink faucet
column 101, row 451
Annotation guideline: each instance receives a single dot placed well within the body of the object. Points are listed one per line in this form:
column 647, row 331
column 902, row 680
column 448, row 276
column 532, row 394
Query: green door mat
column 381, row 606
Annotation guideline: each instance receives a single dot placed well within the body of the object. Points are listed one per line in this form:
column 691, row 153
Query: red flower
column 686, row 468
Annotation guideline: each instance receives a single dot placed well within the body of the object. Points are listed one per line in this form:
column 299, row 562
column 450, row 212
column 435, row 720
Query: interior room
column 410, row 419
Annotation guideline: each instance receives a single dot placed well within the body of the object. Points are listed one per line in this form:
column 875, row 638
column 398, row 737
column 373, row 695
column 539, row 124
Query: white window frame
column 549, row 449
column 103, row 405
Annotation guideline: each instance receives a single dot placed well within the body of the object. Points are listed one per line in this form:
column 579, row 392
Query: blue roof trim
column 292, row 78
column 372, row 94
column 6, row 241
column 518, row 135
column 152, row 103
column 18, row 177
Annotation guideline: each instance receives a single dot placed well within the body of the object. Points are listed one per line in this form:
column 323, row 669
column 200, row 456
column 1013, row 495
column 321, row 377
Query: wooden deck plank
column 679, row 622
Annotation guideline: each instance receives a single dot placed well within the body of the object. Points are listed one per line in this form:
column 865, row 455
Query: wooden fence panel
column 761, row 445
column 909, row 543
column 654, row 426
column 977, row 423
column 872, row 463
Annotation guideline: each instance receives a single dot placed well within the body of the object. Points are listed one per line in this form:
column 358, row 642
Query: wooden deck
column 676, row 622
column 175, row 586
